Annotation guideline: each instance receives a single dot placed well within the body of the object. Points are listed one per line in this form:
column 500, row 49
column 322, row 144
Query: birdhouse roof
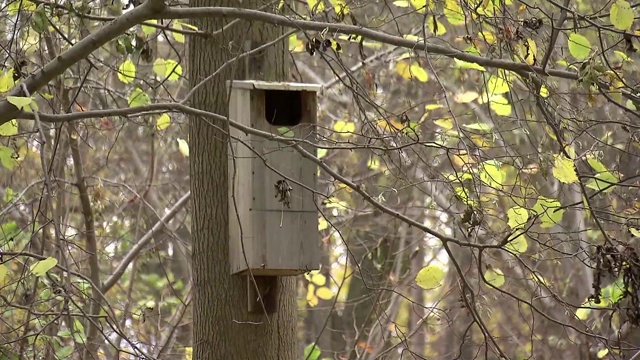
column 274, row 85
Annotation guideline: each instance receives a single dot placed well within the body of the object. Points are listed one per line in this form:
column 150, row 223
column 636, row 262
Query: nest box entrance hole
column 283, row 107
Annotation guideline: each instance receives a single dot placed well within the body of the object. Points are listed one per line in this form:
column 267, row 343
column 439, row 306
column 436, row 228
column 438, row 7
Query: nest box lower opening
column 283, row 107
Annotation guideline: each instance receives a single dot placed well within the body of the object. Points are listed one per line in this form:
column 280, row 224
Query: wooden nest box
column 273, row 218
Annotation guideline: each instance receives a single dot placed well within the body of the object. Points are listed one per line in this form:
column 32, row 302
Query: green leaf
column 596, row 164
column 322, row 153
column 621, row 15
column 65, row 352
column 603, row 180
column 494, row 277
column 3, row 275
column 183, row 147
column 430, row 277
column 127, row 71
column 563, row 170
column 163, row 122
column 286, row 132
column 177, row 36
column 518, row 217
column 17, row 5
column 435, row 26
column 518, row 245
column 602, row 353
column 9, row 128
column 167, row 68
column 7, row 157
column 6, row 81
column 491, row 173
column 312, row 352
column 138, row 98
column 579, row 46
column 467, row 65
column 19, row 101
column 43, row 266
column 149, row 30
column 547, row 209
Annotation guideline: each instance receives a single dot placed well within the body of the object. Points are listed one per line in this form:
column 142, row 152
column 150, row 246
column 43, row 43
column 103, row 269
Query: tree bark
column 222, row 327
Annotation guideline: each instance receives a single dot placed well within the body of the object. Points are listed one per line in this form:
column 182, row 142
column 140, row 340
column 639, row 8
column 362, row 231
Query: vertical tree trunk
column 222, row 327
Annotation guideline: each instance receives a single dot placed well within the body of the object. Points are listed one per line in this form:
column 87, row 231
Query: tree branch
column 77, row 52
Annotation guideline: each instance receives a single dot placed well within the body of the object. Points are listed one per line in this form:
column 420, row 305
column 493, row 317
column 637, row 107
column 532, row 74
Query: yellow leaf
column 183, row 147
column 487, row 36
column 430, row 277
column 518, row 245
column 444, row 123
column 517, row 216
column 324, row 293
column 544, row 92
column 419, row 72
column 453, row 12
column 435, row 26
column 563, row 170
column 500, row 105
column 163, row 122
column 316, row 5
column 465, row 97
column 177, row 36
column 318, row 279
column 127, row 71
column 344, row 128
column 497, row 85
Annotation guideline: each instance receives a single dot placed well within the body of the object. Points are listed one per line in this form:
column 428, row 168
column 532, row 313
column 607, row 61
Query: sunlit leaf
column 6, row 81
column 9, row 128
column 518, row 245
column 563, row 170
column 548, row 210
column 176, row 35
column 479, row 127
column 344, row 128
column 149, row 30
column 467, row 65
column 602, row 353
column 453, row 12
column 465, row 97
column 324, row 293
column 322, row 153
column 167, row 68
column 497, row 85
column 183, row 147
column 318, row 279
column 7, row 157
column 444, row 123
column 21, row 102
column 430, row 277
column 491, row 173
column 544, row 92
column 127, row 71
column 500, row 105
column 494, row 277
column 579, row 46
column 43, row 266
column 583, row 313
column 517, row 216
column 286, row 132
column 312, row 351
column 603, row 180
column 163, row 122
column 138, row 98
column 3, row 275
column 621, row 15
column 16, row 5
column 436, row 27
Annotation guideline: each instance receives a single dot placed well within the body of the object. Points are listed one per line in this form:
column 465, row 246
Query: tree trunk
column 222, row 327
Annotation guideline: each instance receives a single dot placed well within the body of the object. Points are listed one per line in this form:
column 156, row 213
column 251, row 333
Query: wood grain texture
column 222, row 327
